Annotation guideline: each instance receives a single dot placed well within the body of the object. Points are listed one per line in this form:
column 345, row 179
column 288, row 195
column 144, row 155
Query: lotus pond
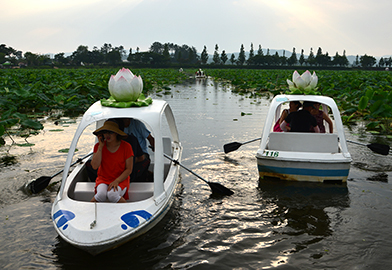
column 261, row 226
column 31, row 94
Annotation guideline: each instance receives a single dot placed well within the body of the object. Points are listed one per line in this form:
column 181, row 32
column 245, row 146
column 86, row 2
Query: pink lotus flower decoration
column 124, row 86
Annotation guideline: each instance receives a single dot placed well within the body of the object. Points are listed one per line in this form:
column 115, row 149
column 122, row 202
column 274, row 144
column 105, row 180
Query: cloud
column 359, row 26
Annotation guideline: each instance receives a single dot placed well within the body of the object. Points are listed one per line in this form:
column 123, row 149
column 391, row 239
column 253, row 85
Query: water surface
column 262, row 226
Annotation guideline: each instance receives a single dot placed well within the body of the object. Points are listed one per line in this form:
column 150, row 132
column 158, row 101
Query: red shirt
column 113, row 164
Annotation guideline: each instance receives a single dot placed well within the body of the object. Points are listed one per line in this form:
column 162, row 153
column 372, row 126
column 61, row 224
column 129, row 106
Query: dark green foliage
column 360, row 95
column 29, row 93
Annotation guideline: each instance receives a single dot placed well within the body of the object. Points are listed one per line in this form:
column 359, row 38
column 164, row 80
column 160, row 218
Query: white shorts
column 112, row 195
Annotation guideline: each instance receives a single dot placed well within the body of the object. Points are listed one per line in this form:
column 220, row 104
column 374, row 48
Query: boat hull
column 305, row 170
column 127, row 223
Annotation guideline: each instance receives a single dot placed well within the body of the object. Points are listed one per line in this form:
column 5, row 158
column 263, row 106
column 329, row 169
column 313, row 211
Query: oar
column 41, row 183
column 215, row 187
column 229, row 147
column 378, row 148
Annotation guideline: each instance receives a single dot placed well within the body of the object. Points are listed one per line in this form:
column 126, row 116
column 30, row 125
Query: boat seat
column 303, row 142
column 138, row 191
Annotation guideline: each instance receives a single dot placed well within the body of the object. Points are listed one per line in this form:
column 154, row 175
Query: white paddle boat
column 315, row 157
column 97, row 227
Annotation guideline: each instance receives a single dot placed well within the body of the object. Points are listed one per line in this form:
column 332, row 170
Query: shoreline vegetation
column 30, row 95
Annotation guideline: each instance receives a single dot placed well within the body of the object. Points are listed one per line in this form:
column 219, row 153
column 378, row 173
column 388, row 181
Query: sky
column 357, row 27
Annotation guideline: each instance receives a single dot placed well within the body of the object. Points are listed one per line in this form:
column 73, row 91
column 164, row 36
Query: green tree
column 367, row 61
column 268, row 59
column 216, row 58
column 293, row 58
column 260, row 51
column 96, row 57
column 251, row 55
column 302, row 58
column 232, row 59
column 326, row 60
column 311, row 59
column 204, row 56
column 276, row 59
column 388, row 62
column 340, row 60
column 114, row 57
column 223, row 57
column 241, row 56
column 10, row 54
column 185, row 54
column 130, row 56
column 381, row 62
column 31, row 59
column 60, row 59
column 356, row 61
column 283, row 59
column 319, row 57
column 81, row 55
column 157, row 47
column 166, row 54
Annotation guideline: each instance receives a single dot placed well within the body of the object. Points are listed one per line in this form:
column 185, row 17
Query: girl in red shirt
column 113, row 158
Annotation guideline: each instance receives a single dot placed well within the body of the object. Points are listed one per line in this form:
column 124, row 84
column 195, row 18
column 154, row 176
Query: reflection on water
column 301, row 206
column 300, row 212
column 263, row 225
column 380, row 177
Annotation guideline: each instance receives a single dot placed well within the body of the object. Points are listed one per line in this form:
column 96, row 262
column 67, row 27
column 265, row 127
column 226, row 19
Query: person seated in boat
column 320, row 116
column 293, row 107
column 302, row 120
column 140, row 162
column 136, row 128
column 113, row 157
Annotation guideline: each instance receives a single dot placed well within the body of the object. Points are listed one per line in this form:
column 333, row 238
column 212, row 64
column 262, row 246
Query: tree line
column 169, row 54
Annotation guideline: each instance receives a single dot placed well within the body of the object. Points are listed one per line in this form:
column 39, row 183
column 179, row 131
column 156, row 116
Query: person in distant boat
column 302, row 120
column 320, row 117
column 136, row 128
column 293, row 107
column 113, row 157
column 199, row 72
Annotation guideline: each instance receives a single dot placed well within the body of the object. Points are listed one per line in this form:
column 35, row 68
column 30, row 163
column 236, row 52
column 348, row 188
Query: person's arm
column 329, row 121
column 124, row 175
column 283, row 126
column 316, row 129
column 151, row 139
column 283, row 116
column 97, row 156
column 139, row 159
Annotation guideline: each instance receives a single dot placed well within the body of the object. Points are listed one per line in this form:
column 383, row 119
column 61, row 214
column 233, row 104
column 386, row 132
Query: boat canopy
column 152, row 115
column 274, row 114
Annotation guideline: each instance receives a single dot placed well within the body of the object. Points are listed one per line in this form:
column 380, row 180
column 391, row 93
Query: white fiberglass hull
column 99, row 227
column 334, row 168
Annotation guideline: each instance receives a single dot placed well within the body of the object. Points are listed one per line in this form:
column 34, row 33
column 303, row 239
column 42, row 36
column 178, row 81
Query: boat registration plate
column 270, row 153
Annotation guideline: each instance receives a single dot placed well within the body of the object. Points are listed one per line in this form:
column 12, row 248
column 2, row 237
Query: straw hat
column 110, row 126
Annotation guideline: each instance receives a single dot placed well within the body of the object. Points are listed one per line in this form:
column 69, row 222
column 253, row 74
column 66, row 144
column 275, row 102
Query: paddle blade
column 378, row 148
column 230, row 147
column 39, row 184
column 220, row 189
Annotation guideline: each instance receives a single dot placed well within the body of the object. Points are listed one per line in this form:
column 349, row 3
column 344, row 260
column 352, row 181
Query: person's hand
column 101, row 141
column 113, row 185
